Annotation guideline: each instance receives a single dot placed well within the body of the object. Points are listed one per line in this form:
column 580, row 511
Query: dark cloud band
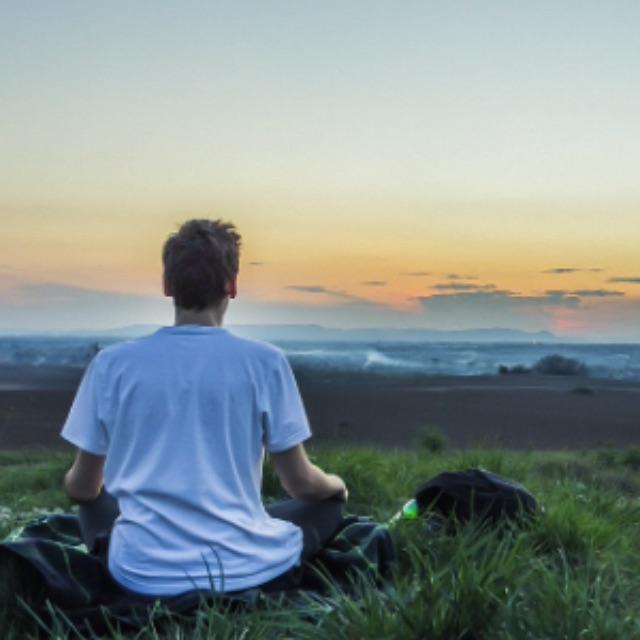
column 563, row 270
column 627, row 280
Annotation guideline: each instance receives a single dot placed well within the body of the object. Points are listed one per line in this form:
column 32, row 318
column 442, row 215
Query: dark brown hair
column 199, row 260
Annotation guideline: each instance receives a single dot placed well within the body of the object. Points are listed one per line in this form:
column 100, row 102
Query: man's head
column 201, row 263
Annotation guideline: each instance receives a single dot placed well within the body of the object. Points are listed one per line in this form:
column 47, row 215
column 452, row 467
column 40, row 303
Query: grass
column 575, row 573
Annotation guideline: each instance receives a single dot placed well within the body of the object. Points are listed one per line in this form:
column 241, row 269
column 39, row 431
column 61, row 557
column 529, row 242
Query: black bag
column 475, row 493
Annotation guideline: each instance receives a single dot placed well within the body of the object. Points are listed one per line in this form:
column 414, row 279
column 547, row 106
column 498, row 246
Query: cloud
column 374, row 283
column 586, row 293
column 559, row 270
column 502, row 297
column 557, row 312
column 457, row 276
column 626, row 280
column 462, row 286
column 614, row 318
column 53, row 306
column 597, row 293
column 563, row 270
column 256, row 263
column 10, row 274
column 39, row 294
column 57, row 306
column 495, row 307
column 416, row 273
column 42, row 294
column 333, row 293
column 45, row 293
column 331, row 313
column 308, row 288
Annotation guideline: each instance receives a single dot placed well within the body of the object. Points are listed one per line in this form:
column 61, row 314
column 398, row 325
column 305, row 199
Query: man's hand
column 343, row 493
column 302, row 479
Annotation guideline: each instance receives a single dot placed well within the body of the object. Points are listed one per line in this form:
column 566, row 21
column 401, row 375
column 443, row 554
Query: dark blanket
column 58, row 575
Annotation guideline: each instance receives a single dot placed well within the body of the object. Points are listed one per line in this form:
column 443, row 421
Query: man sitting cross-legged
column 175, row 426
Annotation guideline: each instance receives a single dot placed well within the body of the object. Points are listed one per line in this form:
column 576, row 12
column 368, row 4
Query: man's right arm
column 302, row 479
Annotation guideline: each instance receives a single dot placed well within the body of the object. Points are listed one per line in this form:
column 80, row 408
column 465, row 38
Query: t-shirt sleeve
column 284, row 420
column 84, row 426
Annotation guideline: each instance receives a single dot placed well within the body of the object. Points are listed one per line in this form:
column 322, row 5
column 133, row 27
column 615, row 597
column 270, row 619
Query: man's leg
column 319, row 521
column 97, row 518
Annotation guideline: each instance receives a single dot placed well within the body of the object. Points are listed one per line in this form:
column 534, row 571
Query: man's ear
column 232, row 287
column 166, row 288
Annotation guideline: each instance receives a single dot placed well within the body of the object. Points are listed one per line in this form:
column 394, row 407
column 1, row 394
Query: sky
column 417, row 164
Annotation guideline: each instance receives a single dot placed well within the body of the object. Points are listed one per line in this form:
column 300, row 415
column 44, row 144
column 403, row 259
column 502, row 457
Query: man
column 175, row 426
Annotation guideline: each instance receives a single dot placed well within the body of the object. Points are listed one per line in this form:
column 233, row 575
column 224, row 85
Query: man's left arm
column 84, row 479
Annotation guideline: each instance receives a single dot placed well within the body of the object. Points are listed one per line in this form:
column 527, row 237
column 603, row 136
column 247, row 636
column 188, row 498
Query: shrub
column 431, row 439
column 631, row 458
column 557, row 365
column 583, row 391
column 503, row 370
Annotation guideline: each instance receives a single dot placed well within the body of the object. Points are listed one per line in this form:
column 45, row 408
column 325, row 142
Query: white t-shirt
column 183, row 417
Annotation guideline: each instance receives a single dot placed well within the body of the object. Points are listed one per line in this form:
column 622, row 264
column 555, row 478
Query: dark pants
column 319, row 522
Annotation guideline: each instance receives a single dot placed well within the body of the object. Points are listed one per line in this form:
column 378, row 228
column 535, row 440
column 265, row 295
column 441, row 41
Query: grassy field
column 575, row 573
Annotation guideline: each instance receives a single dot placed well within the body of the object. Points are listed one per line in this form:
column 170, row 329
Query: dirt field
column 516, row 412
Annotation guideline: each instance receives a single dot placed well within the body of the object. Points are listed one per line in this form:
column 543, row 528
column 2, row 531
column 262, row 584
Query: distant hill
column 318, row 333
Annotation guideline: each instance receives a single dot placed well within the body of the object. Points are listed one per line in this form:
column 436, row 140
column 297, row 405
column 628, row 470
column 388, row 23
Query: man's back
column 182, row 416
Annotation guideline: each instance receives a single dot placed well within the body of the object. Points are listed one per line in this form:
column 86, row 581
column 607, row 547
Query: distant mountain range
column 318, row 333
